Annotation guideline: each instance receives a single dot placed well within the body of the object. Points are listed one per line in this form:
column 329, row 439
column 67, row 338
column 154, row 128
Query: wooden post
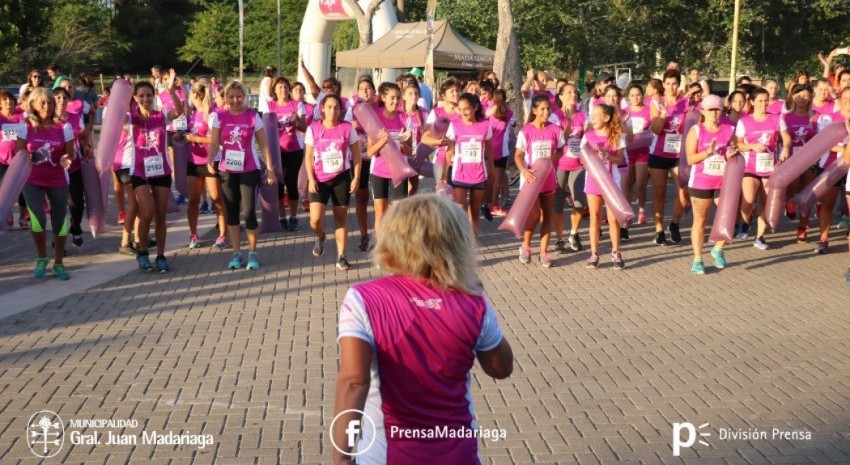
column 736, row 20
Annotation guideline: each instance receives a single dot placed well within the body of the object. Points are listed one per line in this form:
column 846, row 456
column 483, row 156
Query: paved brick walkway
column 606, row 361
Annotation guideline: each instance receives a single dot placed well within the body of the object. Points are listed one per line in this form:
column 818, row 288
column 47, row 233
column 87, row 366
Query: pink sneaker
column 545, row 260
column 121, row 217
column 641, row 217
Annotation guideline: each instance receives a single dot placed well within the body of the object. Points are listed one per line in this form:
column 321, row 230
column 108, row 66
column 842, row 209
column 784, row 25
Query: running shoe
column 844, row 223
column 617, row 258
column 181, row 199
column 220, row 243
column 283, row 224
column 641, row 216
column 235, row 261
column 161, row 264
column 525, row 254
column 593, row 261
column 761, row 244
column 802, row 235
column 77, row 240
column 719, row 258
column 342, row 263
column 745, row 231
column 605, row 219
column 194, row 243
column 560, row 247
column 40, row 267
column 126, row 250
column 660, row 238
column 847, row 275
column 486, row 213
column 507, row 204
column 545, row 260
column 144, row 261
column 205, row 207
column 305, row 205
column 823, row 247
column 319, row 246
column 624, row 234
column 121, row 217
column 60, row 272
column 253, row 261
column 24, row 222
column 498, row 211
column 364, row 243
column 293, row 223
column 675, row 235
column 790, row 210
column 698, row 267
column 575, row 242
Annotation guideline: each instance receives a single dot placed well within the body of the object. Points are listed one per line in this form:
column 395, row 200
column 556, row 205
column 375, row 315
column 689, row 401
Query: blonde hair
column 202, row 98
column 37, row 94
column 237, row 86
column 429, row 237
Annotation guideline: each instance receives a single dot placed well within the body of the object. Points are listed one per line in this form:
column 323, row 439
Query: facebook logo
column 352, row 432
column 358, row 425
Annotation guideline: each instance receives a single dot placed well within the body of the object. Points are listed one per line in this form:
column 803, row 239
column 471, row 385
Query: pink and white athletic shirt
column 708, row 174
column 827, row 107
column 776, row 108
column 9, row 129
column 823, row 120
column 469, row 164
column 361, row 133
column 430, row 335
column 240, row 153
column 765, row 132
column 78, row 107
column 75, row 120
column 47, row 145
column 801, row 128
column 569, row 161
column 147, row 144
column 668, row 144
column 540, row 143
column 436, row 113
column 166, row 104
column 639, row 120
column 332, row 148
column 414, row 121
column 287, row 133
column 199, row 126
column 394, row 128
column 599, row 142
column 499, row 142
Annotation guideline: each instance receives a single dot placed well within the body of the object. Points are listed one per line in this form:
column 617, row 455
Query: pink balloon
column 807, row 197
column 723, row 228
column 95, row 208
column 438, row 130
column 368, row 120
column 691, row 119
column 181, row 165
column 774, row 206
column 611, row 192
column 792, row 168
column 112, row 124
column 273, row 141
column 13, row 183
column 642, row 140
column 268, row 202
column 527, row 197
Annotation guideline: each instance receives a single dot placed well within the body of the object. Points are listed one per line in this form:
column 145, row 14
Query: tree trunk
column 399, row 6
column 506, row 64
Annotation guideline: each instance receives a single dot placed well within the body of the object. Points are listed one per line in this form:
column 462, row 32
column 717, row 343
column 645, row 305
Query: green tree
column 154, row 29
column 261, row 33
column 81, row 36
column 213, row 38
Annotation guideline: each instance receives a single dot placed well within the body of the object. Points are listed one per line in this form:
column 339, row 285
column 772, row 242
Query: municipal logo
column 45, row 434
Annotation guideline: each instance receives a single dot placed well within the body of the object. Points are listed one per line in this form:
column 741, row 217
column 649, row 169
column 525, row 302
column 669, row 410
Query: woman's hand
column 528, row 175
column 313, row 187
column 271, row 179
column 65, row 161
column 355, row 184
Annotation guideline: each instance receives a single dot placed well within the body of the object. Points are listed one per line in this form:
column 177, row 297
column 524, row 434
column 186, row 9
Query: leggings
column 240, row 189
column 76, row 201
column 58, row 198
column 291, row 162
column 22, row 204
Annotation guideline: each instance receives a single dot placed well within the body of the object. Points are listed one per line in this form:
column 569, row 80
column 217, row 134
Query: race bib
column 181, row 123
column 154, row 167
column 332, row 161
column 764, row 162
column 470, row 152
column 9, row 132
column 574, row 146
column 672, row 143
column 234, row 160
column 637, row 124
column 541, row 149
column 714, row 165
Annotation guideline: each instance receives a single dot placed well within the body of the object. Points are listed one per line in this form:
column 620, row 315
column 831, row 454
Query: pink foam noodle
column 774, row 207
column 642, row 140
column 270, row 124
column 526, row 199
column 723, row 228
column 611, row 192
column 792, row 168
column 181, row 165
column 816, row 189
column 438, row 130
column 691, row 119
column 270, row 221
column 95, row 206
column 396, row 161
column 113, row 123
column 172, row 204
column 13, row 183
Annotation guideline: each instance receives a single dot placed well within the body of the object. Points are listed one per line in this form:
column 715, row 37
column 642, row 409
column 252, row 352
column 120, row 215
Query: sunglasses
column 36, row 76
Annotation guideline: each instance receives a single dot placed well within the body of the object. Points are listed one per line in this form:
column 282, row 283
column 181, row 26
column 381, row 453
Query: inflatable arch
column 317, row 30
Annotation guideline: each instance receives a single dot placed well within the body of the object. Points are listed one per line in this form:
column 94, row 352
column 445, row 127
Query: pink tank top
column 540, row 143
column 200, row 127
column 708, row 174
column 639, row 121
column 570, row 161
column 331, row 154
column 775, row 108
column 668, row 144
column 47, row 146
column 801, row 128
column 237, row 141
column 500, row 131
column 149, row 146
column 76, row 122
column 469, row 165
column 760, row 132
column 823, row 120
column 394, row 127
column 9, row 136
column 287, row 134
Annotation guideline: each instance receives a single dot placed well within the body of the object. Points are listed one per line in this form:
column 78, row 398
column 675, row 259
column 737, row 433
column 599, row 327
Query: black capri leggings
column 58, row 198
column 240, row 188
column 76, row 202
column 291, row 163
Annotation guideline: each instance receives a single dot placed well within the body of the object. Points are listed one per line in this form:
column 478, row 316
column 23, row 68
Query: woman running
column 333, row 171
column 569, row 172
column 291, row 148
column 76, row 196
column 638, row 174
column 708, row 146
column 799, row 126
column 305, row 110
column 10, row 121
column 539, row 138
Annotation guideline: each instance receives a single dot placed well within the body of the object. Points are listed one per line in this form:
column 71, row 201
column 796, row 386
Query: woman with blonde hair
column 429, row 320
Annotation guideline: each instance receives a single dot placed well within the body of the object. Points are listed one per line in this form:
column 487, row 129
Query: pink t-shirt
column 569, row 160
column 823, row 120
column 801, row 128
column 288, row 135
column 394, row 127
column 148, row 139
column 764, row 132
column 708, row 174
column 776, row 107
column 639, row 121
column 598, row 142
column 668, row 144
column 237, row 139
column 199, row 126
column 499, row 143
column 414, row 121
column 469, row 164
column 332, row 148
column 828, row 107
column 541, row 143
column 75, row 120
column 47, row 145
column 436, row 113
column 166, row 104
column 9, row 128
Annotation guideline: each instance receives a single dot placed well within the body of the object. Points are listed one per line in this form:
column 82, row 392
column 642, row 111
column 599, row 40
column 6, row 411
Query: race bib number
column 541, row 149
column 234, row 160
column 672, row 143
column 154, row 167
column 332, row 161
column 764, row 162
column 637, row 124
column 714, row 165
column 470, row 152
column 574, row 147
column 181, row 123
column 9, row 132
